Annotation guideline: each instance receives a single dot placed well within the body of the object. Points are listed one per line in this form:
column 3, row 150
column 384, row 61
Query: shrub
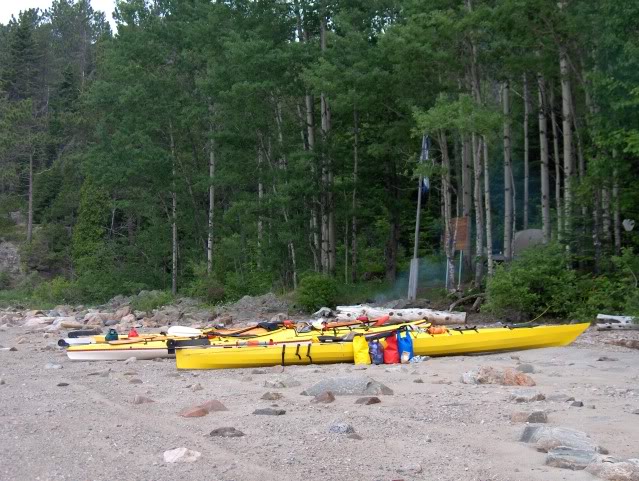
column 148, row 300
column 57, row 291
column 538, row 281
column 5, row 280
column 315, row 291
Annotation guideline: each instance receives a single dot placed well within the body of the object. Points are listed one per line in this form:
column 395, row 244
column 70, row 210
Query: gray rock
column 326, row 397
column 181, row 455
column 227, row 432
column 142, row 400
column 52, row 365
column 2, row 382
column 62, row 384
column 102, row 373
column 546, row 438
column 283, row 382
column 636, row 411
column 258, row 371
column 577, row 404
column 368, row 400
column 569, row 458
column 197, row 387
column 130, row 360
column 613, row 469
column 135, row 380
column 354, row 436
column 606, row 358
column 526, row 396
column 537, row 417
column 418, row 381
column 271, row 396
column 341, row 428
column 270, row 412
column 110, row 322
column 349, row 386
column 527, row 368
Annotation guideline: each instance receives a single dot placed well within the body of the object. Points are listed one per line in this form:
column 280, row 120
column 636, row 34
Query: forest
column 215, row 149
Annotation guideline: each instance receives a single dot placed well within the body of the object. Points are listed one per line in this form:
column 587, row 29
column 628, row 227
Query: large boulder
column 613, row 469
column 349, row 386
column 546, row 438
column 490, row 375
column 122, row 312
column 36, row 322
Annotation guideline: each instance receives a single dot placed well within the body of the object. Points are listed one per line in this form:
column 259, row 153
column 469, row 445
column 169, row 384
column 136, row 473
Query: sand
column 440, row 429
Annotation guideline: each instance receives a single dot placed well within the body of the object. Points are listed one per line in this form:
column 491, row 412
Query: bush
column 538, row 281
column 149, row 300
column 315, row 291
column 5, row 280
column 57, row 291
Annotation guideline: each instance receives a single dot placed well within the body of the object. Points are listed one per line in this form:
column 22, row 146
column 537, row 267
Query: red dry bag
column 391, row 353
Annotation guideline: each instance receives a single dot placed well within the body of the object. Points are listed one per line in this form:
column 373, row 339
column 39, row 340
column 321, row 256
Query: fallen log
column 615, row 319
column 618, row 327
column 436, row 317
column 465, row 299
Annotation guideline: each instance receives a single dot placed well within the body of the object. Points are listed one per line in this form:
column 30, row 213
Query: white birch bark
column 508, row 188
column 488, row 207
column 526, row 149
column 543, row 151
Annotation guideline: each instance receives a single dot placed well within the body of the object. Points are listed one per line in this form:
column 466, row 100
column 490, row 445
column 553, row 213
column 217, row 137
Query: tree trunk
column 605, row 216
column 479, row 217
column 394, row 220
column 526, row 150
column 543, row 150
column 596, row 241
column 449, row 241
column 260, row 196
column 466, row 189
column 489, row 215
column 566, row 111
column 555, row 143
column 211, row 213
column 616, row 211
column 174, row 247
column 354, row 197
column 508, row 190
column 30, row 208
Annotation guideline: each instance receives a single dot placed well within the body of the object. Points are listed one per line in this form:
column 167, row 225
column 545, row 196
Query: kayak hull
column 121, row 352
column 453, row 342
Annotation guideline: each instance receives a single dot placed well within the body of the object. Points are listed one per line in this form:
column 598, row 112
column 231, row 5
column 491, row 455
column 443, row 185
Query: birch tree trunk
column 489, row 215
column 479, row 217
column 466, row 189
column 543, row 150
column 174, row 236
column 260, row 196
column 209, row 244
column 616, row 211
column 555, row 143
column 526, row 149
column 605, row 215
column 30, row 208
column 449, row 247
column 595, row 230
column 354, row 197
column 566, row 111
column 508, row 196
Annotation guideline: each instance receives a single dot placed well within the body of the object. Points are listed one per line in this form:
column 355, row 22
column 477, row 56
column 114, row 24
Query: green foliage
column 5, row 280
column 147, row 301
column 205, row 286
column 89, row 231
column 315, row 291
column 57, row 291
column 535, row 283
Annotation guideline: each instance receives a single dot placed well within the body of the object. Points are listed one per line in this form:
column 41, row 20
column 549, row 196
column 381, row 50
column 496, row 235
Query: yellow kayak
column 152, row 346
column 450, row 342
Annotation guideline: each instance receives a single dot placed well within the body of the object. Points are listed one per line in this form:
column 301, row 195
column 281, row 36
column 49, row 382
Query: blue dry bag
column 405, row 343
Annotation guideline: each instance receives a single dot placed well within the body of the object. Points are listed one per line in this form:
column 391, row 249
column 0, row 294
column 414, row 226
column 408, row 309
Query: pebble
column 325, row 397
column 413, row 468
column 636, row 411
column 62, row 384
column 2, row 381
column 270, row 412
column 130, row 360
column 51, row 365
column 135, row 380
column 368, row 400
column 142, row 400
column 606, row 358
column 13, row 349
column 341, row 428
column 103, row 373
column 526, row 368
column 227, row 432
column 534, row 417
column 193, row 412
column 577, row 404
column 526, row 396
column 197, row 387
column 354, row 436
column 181, row 455
column 271, row 396
column 418, row 381
column 258, row 371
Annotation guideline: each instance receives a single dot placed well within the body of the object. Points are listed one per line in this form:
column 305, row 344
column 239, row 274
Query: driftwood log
column 615, row 319
column 436, row 317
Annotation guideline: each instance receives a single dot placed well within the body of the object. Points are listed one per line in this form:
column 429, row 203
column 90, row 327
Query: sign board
column 459, row 226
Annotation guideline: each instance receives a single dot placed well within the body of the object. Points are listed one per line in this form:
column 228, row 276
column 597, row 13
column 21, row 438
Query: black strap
column 297, row 352
column 283, row 352
column 308, row 353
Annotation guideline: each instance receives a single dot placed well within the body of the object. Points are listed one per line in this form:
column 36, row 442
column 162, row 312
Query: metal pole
column 461, row 257
column 414, row 264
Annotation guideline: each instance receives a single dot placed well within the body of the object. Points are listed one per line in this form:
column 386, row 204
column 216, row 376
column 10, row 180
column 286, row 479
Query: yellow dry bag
column 360, row 350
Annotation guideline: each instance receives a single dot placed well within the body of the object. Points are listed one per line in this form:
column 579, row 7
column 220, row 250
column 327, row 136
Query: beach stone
column 569, row 458
column 70, row 323
column 52, row 365
column 368, row 400
column 181, row 455
column 197, row 387
column 213, row 405
column 283, row 382
column 546, row 438
column 613, row 469
column 348, row 386
column 269, row 412
column 490, row 375
column 527, row 368
column 577, row 404
column 354, row 436
column 135, row 380
column 128, row 319
column 38, row 321
column 410, row 468
column 271, row 396
column 227, row 432
column 418, row 381
column 193, row 412
column 258, row 371
column 606, row 358
column 636, row 411
column 14, row 349
column 526, row 396
column 142, row 400
column 341, row 428
column 130, row 360
column 122, row 312
column 102, row 373
column 534, row 417
column 110, row 322
column 2, row 382
column 62, row 384
column 326, row 397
